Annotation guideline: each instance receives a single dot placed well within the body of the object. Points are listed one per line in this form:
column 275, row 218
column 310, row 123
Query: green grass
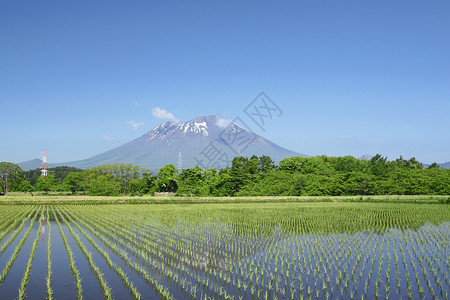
column 22, row 199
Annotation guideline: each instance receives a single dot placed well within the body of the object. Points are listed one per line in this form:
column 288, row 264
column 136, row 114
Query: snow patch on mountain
column 194, row 139
column 164, row 130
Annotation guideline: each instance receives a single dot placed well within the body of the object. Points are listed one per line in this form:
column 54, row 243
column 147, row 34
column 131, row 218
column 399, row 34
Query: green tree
column 167, row 179
column 318, row 165
column 195, row 182
column 434, row 166
column 225, row 184
column 103, row 185
column 348, row 164
column 292, row 164
column 59, row 172
column 358, row 183
column 9, row 174
column 377, row 165
column 74, row 182
column 242, row 171
column 46, row 183
column 135, row 186
column 123, row 173
column 275, row 183
column 148, row 183
column 411, row 163
column 266, row 164
column 26, row 187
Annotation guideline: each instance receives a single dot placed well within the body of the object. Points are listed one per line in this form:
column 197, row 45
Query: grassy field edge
column 19, row 198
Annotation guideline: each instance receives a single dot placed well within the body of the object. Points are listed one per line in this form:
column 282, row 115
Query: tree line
column 254, row 176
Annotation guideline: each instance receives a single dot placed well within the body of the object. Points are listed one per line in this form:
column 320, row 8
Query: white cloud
column 134, row 124
column 136, row 103
column 161, row 113
column 222, row 122
column 109, row 138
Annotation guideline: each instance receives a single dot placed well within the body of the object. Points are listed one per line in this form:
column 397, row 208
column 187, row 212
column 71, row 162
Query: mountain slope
column 208, row 141
column 30, row 164
column 445, row 165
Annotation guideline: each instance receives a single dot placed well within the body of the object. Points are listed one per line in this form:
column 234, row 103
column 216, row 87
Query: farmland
column 288, row 250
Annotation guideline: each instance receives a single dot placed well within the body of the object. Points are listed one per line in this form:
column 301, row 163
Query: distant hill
column 31, row 164
column 445, row 165
column 207, row 141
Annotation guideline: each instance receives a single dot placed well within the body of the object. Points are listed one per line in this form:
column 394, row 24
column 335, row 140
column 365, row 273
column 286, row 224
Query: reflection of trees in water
column 295, row 219
column 212, row 246
column 312, row 258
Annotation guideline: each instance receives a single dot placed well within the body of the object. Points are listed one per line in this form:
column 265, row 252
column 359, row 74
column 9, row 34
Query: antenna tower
column 44, row 163
column 180, row 162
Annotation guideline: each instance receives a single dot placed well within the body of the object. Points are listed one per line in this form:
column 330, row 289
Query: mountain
column 445, row 165
column 208, row 141
column 31, row 164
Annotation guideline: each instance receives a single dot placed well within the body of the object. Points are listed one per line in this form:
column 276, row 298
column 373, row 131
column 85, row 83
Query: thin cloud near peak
column 109, row 138
column 161, row 113
column 135, row 125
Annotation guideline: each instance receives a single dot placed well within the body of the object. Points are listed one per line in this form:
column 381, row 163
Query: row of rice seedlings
column 7, row 214
column 370, row 273
column 17, row 231
column 320, row 257
column 422, row 252
column 16, row 251
column 215, row 274
column 111, row 264
column 129, row 236
column 218, row 273
column 210, row 272
column 435, row 265
column 10, row 220
column 170, row 240
column 124, row 256
column 164, row 292
column 128, row 244
column 48, row 281
column 379, row 273
column 105, row 288
column 73, row 268
column 174, row 265
column 26, row 275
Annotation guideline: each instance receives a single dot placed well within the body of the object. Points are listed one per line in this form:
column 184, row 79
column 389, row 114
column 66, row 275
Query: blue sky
column 351, row 77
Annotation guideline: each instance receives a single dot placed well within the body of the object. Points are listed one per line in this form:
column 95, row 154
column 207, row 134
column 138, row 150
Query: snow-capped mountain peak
column 169, row 129
column 200, row 126
column 195, row 127
column 207, row 141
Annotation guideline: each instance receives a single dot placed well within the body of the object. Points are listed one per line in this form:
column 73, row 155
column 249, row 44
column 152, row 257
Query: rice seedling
column 49, row 260
column 73, row 268
column 26, row 275
column 112, row 265
column 14, row 255
column 105, row 288
column 273, row 251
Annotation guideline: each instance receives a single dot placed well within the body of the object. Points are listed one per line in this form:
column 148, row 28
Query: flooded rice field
column 225, row 251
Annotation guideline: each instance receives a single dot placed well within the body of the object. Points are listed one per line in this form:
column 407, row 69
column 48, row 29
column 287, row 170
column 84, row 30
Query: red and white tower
column 44, row 163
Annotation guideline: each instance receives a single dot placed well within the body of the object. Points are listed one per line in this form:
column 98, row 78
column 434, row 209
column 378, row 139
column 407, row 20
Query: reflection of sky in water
column 316, row 259
column 283, row 265
column 340, row 264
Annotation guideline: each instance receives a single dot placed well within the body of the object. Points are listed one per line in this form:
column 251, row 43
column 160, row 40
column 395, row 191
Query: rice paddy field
column 225, row 251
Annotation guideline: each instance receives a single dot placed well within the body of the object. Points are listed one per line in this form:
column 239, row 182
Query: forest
column 254, row 176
